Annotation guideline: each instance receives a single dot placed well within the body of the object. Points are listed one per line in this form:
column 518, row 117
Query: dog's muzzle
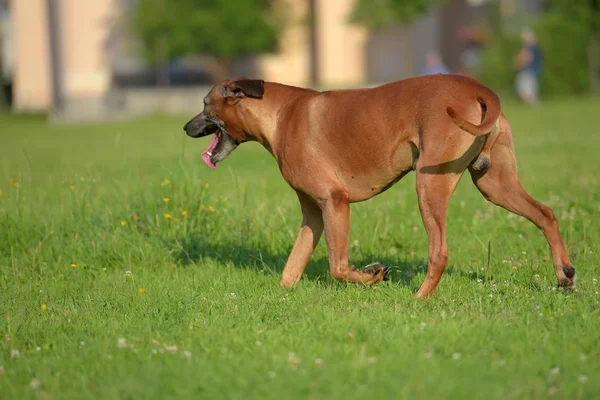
column 199, row 126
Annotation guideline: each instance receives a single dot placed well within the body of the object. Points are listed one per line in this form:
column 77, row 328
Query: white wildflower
column 171, row 348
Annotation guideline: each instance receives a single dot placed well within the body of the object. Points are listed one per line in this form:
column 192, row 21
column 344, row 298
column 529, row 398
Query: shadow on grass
column 407, row 273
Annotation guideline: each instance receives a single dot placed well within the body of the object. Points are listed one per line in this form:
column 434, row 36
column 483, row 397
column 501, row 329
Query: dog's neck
column 260, row 120
column 262, row 116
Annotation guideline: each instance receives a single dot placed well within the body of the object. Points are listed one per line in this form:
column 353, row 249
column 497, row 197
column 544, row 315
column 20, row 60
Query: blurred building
column 94, row 63
column 85, row 73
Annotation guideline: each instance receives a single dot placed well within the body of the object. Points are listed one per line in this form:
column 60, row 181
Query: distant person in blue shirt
column 434, row 64
column 529, row 65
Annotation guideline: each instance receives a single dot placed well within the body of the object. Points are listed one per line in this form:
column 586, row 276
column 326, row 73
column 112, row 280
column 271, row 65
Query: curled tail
column 490, row 111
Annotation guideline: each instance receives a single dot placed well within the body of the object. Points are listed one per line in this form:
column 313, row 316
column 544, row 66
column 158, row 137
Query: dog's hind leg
column 434, row 192
column 336, row 217
column 308, row 238
column 500, row 185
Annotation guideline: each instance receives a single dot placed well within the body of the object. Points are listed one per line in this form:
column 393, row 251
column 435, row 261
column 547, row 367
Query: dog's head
column 221, row 116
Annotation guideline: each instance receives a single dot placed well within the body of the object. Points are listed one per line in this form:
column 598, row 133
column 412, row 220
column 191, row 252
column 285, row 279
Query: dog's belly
column 378, row 175
column 318, row 175
column 366, row 188
column 362, row 161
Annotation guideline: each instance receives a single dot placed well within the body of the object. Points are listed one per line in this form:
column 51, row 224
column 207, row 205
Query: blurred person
column 434, row 64
column 529, row 64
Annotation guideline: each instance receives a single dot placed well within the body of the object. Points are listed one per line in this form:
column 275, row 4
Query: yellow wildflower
column 165, row 182
column 168, row 216
column 211, row 209
column 73, row 265
column 13, row 183
column 141, row 290
column 44, row 307
column 184, row 213
column 165, row 200
column 207, row 185
column 123, row 223
column 72, row 187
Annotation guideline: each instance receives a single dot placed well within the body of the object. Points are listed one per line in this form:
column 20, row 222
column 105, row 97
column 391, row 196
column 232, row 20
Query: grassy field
column 128, row 269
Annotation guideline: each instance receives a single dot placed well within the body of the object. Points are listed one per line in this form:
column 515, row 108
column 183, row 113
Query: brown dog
column 339, row 147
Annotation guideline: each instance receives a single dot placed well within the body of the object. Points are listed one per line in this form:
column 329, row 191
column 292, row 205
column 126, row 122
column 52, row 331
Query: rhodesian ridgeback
column 343, row 146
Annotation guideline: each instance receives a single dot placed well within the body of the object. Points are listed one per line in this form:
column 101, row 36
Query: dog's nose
column 185, row 126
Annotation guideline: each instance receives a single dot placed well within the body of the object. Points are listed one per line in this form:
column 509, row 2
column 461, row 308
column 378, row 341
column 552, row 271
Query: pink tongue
column 211, row 147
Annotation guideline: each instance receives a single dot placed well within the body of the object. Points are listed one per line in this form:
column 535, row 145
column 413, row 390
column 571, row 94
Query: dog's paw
column 482, row 163
column 568, row 282
column 378, row 271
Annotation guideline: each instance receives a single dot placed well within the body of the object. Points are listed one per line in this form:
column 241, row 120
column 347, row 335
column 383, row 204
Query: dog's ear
column 240, row 89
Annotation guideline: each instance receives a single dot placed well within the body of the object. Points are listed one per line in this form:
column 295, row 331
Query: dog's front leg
column 308, row 238
column 336, row 217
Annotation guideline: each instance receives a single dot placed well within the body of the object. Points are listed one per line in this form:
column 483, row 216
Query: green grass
column 92, row 196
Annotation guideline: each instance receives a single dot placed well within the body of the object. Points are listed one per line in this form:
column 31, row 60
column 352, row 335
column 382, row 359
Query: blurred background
column 101, row 59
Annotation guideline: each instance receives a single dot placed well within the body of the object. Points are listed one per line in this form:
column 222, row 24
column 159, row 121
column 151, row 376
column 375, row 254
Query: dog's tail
column 490, row 114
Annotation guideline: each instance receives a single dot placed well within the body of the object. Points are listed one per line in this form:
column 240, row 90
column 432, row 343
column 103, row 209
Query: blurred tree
column 224, row 29
column 594, row 48
column 569, row 34
column 381, row 14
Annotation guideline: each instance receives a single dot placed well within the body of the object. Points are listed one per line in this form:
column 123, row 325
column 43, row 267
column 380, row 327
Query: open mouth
column 208, row 153
column 219, row 148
